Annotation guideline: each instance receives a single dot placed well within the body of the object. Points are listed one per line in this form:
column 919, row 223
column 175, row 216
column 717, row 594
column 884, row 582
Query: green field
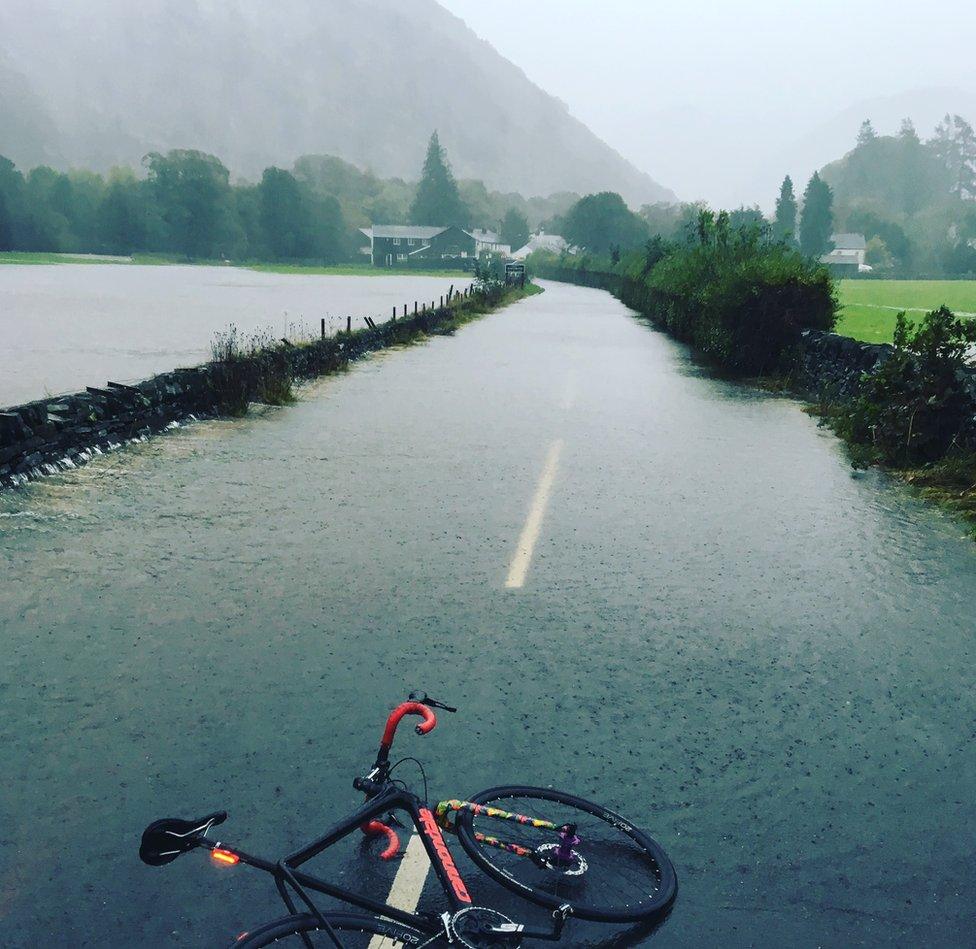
column 869, row 307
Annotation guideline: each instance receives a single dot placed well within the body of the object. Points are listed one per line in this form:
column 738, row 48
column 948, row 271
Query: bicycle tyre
column 655, row 880
column 345, row 924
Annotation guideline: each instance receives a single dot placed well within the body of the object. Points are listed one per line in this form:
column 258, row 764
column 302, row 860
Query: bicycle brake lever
column 425, row 699
column 441, row 705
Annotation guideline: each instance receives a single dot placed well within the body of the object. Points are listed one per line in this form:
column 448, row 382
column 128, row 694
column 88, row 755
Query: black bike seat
column 164, row 840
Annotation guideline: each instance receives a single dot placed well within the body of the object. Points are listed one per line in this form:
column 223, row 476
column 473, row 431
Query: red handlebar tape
column 393, row 842
column 408, row 708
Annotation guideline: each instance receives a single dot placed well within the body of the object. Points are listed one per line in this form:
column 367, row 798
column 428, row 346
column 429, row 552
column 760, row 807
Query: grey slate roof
column 848, row 241
column 403, row 230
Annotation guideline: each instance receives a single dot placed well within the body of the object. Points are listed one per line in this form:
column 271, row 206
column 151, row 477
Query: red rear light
column 226, row 857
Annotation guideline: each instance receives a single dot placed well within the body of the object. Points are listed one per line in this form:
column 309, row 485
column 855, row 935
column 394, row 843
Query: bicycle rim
column 618, row 873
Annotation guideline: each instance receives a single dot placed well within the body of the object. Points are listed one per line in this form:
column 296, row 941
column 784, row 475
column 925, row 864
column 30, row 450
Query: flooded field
column 63, row 327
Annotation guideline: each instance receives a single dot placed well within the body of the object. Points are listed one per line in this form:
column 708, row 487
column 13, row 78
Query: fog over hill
column 104, row 82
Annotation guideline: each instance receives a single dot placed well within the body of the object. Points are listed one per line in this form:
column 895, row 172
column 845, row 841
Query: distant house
column 552, row 243
column 848, row 254
column 392, row 245
column 489, row 244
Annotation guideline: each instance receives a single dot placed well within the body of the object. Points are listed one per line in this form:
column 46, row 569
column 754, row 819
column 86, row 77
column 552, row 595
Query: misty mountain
column 104, row 83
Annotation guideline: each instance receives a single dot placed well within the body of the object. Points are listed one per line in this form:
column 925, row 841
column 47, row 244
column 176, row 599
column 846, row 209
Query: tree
column 817, row 218
column 121, row 215
column 877, row 254
column 892, row 235
column 785, row 223
column 437, row 202
column 6, row 226
column 45, row 227
column 515, row 229
column 284, row 216
column 907, row 131
column 195, row 199
column 330, row 239
column 866, row 134
column 954, row 144
column 600, row 221
column 743, row 217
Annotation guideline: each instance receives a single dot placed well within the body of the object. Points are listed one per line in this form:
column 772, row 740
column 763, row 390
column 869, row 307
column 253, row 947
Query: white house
column 849, row 251
column 552, row 243
column 488, row 243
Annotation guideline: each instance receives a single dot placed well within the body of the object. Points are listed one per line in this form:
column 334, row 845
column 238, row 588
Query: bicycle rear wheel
column 354, row 932
column 617, row 873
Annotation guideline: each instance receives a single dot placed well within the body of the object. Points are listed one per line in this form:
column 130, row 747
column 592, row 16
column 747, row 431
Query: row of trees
column 914, row 201
column 184, row 203
column 816, row 221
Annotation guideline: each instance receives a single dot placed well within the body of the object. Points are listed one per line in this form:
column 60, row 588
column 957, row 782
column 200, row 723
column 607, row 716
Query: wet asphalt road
column 721, row 633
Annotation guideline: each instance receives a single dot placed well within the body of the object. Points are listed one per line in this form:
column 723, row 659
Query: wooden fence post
column 414, row 307
column 323, row 327
column 348, row 324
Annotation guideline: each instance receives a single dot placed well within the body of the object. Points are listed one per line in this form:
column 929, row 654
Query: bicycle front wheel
column 354, row 932
column 615, row 872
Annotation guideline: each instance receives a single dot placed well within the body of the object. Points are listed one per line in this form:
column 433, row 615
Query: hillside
column 366, row 80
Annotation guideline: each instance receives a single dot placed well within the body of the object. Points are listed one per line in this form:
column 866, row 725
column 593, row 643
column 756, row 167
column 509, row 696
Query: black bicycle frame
column 392, row 798
column 287, row 871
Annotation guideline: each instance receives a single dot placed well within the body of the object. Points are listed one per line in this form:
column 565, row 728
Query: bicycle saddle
column 164, row 840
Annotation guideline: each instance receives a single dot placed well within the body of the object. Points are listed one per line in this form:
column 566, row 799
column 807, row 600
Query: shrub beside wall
column 734, row 295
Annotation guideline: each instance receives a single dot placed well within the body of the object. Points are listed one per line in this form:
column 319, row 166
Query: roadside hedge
column 733, row 294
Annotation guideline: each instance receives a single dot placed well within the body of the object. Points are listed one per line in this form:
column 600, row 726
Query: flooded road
column 63, row 327
column 653, row 588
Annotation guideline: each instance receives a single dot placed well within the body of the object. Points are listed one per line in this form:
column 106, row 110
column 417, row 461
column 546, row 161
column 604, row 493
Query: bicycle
column 561, row 852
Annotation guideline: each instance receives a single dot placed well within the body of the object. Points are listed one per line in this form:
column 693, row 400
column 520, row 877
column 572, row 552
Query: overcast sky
column 713, row 97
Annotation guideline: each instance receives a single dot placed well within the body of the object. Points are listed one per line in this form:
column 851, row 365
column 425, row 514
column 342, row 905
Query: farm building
column 848, row 254
column 392, row 245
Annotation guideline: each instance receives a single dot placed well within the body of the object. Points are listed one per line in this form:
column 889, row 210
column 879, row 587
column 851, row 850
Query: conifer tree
column 867, row 134
column 437, row 202
column 817, row 218
column 786, row 211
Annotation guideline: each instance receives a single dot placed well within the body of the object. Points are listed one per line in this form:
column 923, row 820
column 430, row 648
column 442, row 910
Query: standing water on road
column 67, row 326
column 661, row 591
